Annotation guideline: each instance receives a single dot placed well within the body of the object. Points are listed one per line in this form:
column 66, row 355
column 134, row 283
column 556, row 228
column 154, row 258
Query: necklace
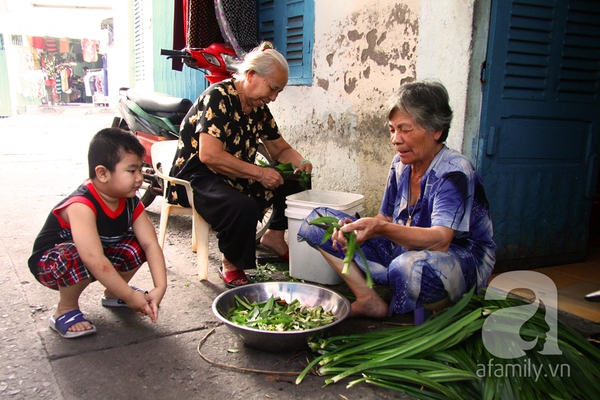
column 409, row 220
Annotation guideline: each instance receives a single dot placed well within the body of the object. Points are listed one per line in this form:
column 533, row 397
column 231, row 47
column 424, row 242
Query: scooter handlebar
column 175, row 53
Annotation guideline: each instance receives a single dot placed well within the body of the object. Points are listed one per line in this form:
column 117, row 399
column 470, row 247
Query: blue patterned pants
column 417, row 278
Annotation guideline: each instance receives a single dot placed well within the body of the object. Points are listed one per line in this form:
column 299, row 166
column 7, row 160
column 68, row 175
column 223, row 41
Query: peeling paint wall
column 445, row 51
column 363, row 51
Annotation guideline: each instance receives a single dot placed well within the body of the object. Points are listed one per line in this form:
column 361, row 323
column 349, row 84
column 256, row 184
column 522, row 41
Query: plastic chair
column 162, row 154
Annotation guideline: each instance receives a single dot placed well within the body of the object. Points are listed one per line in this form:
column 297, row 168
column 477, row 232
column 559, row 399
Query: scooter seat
column 155, row 102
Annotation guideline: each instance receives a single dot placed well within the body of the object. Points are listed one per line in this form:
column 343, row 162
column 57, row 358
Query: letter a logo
column 501, row 329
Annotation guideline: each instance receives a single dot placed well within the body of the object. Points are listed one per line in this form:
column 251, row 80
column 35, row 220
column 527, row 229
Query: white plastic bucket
column 307, row 263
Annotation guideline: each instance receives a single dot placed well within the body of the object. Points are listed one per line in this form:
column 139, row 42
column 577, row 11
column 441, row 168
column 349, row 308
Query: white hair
column 263, row 60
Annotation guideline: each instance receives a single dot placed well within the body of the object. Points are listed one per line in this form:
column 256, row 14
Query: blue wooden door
column 540, row 128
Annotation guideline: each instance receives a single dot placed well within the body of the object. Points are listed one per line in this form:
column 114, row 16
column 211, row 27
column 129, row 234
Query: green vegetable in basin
column 276, row 314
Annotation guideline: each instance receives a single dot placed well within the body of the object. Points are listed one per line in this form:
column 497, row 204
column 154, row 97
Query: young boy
column 101, row 232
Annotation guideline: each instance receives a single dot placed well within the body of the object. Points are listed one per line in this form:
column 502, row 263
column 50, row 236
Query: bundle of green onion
column 276, row 314
column 445, row 358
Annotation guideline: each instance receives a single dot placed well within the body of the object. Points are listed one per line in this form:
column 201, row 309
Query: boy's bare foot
column 372, row 307
column 78, row 327
column 71, row 324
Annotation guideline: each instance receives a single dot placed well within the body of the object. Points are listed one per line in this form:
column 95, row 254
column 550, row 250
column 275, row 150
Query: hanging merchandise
column 64, row 45
column 51, row 45
column 95, row 86
column 237, row 21
column 58, row 80
column 32, row 84
column 65, row 73
column 105, row 71
column 90, row 50
column 38, row 43
column 203, row 28
column 31, row 79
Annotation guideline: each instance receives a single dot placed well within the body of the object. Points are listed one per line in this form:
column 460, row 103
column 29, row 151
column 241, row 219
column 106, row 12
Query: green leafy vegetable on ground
column 445, row 358
column 276, row 314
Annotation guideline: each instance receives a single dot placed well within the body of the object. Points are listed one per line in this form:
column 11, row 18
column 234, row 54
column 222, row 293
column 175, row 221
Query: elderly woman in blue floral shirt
column 432, row 239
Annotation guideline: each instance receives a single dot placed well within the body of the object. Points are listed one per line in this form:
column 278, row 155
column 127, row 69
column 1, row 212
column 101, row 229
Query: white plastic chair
column 162, row 154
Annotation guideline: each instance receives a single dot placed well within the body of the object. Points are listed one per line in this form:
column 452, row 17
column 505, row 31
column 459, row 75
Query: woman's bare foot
column 275, row 241
column 372, row 307
column 227, row 266
column 231, row 275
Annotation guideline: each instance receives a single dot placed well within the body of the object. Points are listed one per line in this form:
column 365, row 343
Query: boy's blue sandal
column 68, row 319
column 106, row 302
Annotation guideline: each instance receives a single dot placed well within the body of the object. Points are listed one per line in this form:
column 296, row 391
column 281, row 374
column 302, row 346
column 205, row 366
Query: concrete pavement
column 43, row 158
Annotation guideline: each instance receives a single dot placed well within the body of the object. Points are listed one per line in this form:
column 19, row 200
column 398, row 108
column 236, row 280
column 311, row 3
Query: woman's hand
column 338, row 239
column 304, row 166
column 364, row 228
column 270, row 178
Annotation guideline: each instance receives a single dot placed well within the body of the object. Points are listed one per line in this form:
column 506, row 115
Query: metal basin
column 307, row 295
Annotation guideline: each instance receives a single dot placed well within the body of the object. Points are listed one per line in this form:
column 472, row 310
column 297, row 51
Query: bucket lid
column 314, row 198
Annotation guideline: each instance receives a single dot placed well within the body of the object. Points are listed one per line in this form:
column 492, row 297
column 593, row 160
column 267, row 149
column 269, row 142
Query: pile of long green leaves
column 445, row 358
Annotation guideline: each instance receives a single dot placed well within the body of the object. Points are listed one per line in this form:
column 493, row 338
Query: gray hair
column 427, row 102
column 262, row 60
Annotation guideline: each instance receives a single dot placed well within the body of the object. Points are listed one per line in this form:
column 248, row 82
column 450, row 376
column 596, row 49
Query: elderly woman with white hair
column 217, row 149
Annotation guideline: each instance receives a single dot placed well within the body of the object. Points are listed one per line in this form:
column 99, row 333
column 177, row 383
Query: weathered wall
column 446, row 41
column 363, row 51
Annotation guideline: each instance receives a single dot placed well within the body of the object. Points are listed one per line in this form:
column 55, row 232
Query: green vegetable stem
column 287, row 171
column 329, row 224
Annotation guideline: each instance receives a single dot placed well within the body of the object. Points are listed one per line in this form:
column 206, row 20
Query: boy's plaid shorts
column 61, row 266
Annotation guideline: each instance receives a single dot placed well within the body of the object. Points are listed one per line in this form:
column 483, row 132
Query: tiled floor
column 573, row 282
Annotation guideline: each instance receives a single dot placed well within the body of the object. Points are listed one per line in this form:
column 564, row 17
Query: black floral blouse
column 218, row 112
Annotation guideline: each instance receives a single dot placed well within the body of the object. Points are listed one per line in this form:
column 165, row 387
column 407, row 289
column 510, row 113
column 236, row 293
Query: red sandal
column 233, row 278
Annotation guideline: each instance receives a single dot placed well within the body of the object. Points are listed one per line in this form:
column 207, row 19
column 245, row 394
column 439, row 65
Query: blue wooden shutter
column 289, row 25
column 540, row 130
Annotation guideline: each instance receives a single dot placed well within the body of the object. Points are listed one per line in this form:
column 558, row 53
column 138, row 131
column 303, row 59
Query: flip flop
column 594, row 296
column 264, row 258
column 67, row 320
column 237, row 275
column 111, row 303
